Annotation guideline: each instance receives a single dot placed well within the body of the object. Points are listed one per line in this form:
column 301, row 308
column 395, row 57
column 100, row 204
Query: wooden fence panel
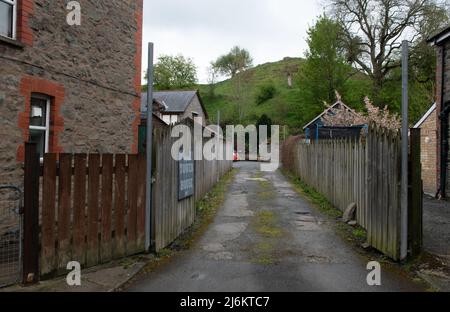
column 92, row 256
column 133, row 170
column 141, row 200
column 64, row 211
column 48, row 256
column 106, row 208
column 79, row 215
column 107, row 218
column 119, row 207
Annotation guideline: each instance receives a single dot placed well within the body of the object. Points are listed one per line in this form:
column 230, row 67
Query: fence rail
column 365, row 172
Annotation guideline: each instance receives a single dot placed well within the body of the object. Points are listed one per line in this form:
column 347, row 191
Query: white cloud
column 206, row 29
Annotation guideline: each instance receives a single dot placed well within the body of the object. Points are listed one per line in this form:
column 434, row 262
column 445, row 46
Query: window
column 40, row 122
column 170, row 119
column 8, row 9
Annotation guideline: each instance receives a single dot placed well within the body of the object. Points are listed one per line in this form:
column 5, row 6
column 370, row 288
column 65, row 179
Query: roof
column 425, row 117
column 326, row 112
column 441, row 36
column 157, row 106
column 175, row 102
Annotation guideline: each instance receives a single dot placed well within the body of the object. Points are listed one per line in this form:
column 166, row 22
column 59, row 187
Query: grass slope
column 281, row 109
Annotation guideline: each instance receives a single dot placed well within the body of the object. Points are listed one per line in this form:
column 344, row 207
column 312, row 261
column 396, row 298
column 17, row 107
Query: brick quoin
column 138, row 77
column 56, row 91
column 25, row 8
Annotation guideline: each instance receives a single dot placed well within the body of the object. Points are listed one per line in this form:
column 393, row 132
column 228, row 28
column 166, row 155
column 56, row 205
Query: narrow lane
column 267, row 238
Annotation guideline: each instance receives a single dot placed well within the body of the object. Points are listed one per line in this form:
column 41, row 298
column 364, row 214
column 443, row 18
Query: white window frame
column 14, row 18
column 47, row 119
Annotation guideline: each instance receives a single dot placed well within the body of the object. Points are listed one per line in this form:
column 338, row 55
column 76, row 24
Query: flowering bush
column 345, row 117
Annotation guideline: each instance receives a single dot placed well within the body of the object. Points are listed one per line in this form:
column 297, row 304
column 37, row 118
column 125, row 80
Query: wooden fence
column 172, row 216
column 366, row 172
column 92, row 209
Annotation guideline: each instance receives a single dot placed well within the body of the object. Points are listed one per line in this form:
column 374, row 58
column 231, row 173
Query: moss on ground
column 265, row 224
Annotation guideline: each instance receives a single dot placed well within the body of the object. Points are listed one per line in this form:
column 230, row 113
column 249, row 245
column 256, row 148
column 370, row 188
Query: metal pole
column 405, row 145
column 149, row 150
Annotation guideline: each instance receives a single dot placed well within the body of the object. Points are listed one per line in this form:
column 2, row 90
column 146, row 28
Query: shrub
column 265, row 93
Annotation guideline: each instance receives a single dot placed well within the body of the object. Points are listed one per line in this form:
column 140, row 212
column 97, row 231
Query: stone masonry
column 91, row 72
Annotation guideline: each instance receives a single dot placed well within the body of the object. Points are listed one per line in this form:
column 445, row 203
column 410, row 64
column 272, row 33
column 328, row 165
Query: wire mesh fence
column 10, row 235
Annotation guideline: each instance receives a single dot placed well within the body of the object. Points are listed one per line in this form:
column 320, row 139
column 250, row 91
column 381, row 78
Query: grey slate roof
column 176, row 101
column 440, row 36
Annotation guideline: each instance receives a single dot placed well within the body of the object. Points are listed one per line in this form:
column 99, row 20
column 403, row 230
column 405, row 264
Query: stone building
column 73, row 89
column 428, row 145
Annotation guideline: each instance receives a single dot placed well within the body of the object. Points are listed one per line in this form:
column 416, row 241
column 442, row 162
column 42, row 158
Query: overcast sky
column 206, row 29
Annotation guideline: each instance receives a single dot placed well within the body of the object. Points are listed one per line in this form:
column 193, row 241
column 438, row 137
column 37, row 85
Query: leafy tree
column 325, row 69
column 174, row 72
column 373, row 30
column 235, row 65
column 236, row 61
column 265, row 92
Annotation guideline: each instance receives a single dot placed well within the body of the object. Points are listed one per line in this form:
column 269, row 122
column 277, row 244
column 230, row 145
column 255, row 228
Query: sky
column 205, row 29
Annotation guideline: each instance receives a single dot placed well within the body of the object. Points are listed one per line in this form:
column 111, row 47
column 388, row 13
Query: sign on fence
column 186, row 173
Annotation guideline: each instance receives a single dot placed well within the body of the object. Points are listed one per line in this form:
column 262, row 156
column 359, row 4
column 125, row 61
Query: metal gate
column 10, row 235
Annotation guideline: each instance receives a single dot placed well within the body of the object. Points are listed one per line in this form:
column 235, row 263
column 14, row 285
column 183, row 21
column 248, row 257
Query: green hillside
column 281, row 108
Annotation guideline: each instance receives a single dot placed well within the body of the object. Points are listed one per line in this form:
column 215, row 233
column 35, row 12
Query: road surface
column 267, row 238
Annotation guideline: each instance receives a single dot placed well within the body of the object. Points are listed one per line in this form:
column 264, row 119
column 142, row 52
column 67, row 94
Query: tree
column 174, row 72
column 235, row 65
column 325, row 68
column 236, row 61
column 212, row 79
column 373, row 30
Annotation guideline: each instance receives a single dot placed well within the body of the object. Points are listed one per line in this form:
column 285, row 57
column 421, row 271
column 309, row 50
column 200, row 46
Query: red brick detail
column 56, row 91
column 138, row 76
column 25, row 8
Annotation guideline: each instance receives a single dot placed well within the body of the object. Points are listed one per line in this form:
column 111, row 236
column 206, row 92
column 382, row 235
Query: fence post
column 415, row 215
column 31, row 216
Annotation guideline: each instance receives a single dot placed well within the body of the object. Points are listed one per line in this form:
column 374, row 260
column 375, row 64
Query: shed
column 317, row 130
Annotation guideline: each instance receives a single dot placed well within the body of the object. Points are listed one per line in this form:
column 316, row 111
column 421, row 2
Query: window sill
column 12, row 42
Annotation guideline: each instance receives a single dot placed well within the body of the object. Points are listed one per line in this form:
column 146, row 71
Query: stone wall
column 429, row 155
column 92, row 73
